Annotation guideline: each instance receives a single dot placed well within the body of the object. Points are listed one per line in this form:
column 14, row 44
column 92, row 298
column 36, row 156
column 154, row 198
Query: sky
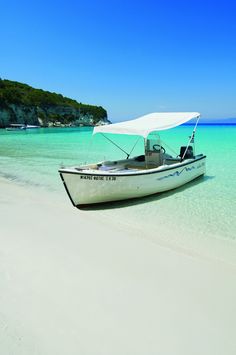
column 131, row 57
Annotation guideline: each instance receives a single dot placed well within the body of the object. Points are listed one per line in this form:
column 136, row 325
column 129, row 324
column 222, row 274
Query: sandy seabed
column 74, row 282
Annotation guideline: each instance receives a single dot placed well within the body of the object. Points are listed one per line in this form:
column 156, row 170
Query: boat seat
column 140, row 158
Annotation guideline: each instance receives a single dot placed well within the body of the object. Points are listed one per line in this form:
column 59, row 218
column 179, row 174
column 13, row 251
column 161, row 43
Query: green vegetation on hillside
column 15, row 93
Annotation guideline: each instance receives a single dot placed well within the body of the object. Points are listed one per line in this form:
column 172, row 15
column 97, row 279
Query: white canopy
column 144, row 125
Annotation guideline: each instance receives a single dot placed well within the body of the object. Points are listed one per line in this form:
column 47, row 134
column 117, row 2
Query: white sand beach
column 74, row 282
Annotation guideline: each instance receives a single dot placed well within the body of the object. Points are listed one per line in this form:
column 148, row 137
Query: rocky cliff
column 20, row 103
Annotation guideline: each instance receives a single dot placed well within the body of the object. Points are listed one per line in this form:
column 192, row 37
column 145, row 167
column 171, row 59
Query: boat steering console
column 158, row 147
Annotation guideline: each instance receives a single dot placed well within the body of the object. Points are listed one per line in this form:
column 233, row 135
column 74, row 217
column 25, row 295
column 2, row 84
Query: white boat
column 16, row 127
column 155, row 171
column 20, row 127
column 28, row 126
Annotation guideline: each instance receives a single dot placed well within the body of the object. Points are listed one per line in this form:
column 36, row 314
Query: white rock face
column 39, row 115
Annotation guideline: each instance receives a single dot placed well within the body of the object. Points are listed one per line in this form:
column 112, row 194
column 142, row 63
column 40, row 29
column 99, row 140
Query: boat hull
column 91, row 188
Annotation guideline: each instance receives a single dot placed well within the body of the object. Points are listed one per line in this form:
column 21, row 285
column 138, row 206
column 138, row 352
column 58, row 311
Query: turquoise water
column 203, row 207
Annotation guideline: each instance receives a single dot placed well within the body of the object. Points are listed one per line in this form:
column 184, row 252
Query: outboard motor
column 188, row 154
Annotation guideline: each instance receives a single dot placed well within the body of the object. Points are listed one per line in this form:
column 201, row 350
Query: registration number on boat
column 93, row 177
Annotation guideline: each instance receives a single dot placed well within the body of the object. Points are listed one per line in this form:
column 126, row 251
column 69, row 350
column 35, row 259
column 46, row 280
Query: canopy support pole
column 134, row 146
column 191, row 139
column 116, row 145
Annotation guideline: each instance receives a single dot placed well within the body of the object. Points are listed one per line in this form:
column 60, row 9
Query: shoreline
column 72, row 283
column 192, row 243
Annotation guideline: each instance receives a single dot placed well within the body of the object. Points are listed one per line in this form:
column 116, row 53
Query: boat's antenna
column 191, row 138
column 116, row 145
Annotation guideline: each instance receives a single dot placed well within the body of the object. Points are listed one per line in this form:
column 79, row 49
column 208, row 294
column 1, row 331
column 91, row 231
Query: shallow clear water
column 203, row 207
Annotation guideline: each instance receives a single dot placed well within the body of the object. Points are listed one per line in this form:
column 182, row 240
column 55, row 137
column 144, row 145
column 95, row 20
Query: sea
column 198, row 217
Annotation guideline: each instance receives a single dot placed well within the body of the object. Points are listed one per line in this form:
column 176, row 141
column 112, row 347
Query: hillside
column 21, row 103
